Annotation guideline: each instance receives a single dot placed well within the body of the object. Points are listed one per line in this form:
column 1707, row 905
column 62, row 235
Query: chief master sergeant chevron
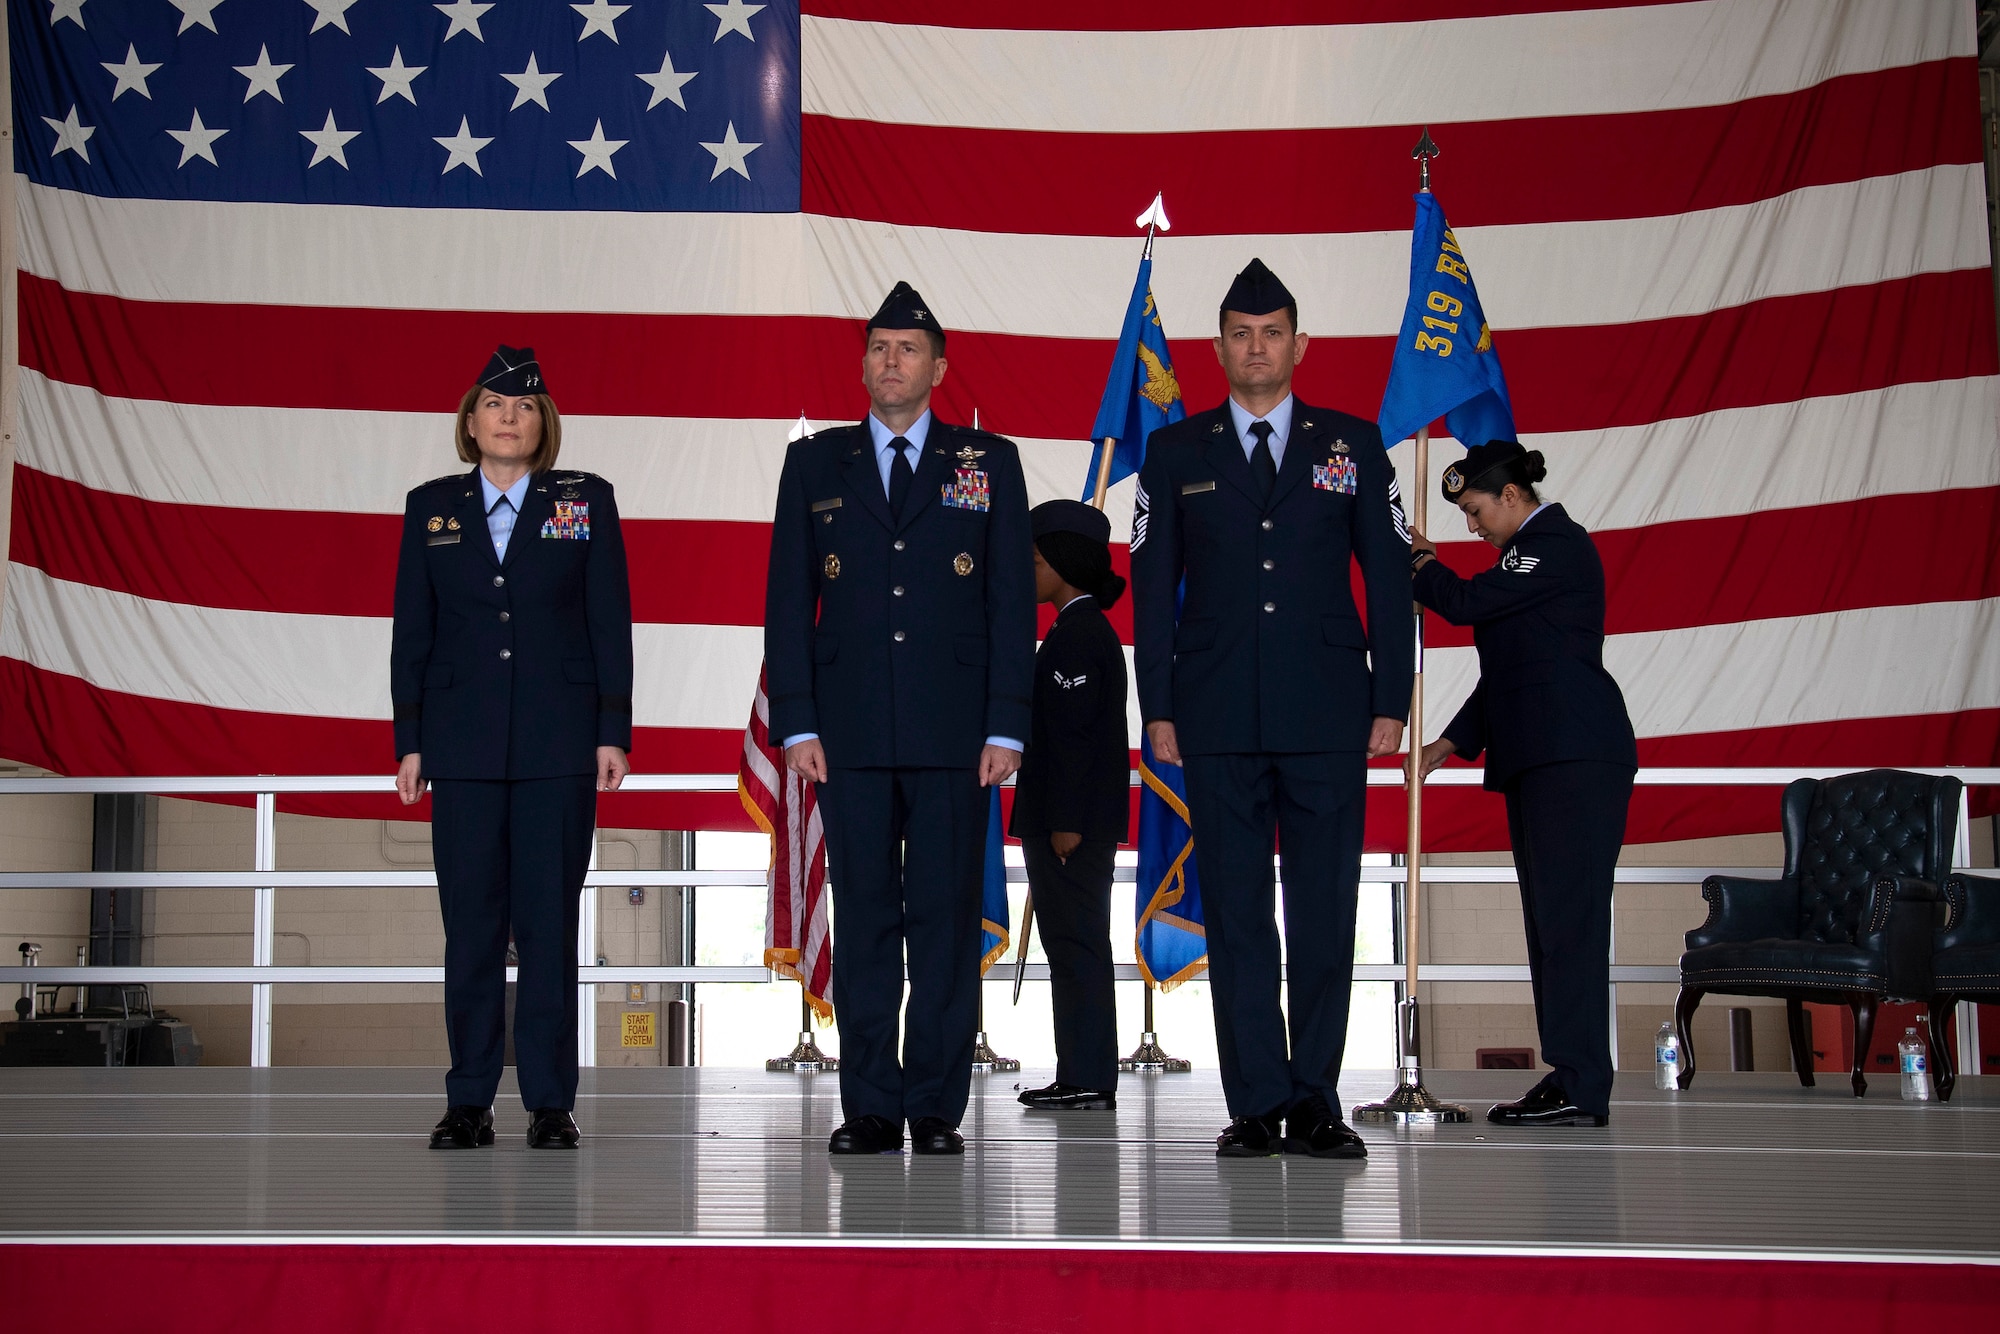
column 1267, row 689
column 899, row 640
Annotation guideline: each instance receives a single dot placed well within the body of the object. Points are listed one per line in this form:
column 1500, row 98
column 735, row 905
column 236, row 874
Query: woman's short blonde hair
column 545, row 456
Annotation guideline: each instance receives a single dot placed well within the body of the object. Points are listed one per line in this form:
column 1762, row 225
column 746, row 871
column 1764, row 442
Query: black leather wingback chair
column 1851, row 922
column 1966, row 965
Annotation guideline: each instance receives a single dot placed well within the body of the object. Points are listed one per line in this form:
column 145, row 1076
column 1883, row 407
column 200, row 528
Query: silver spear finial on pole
column 1423, row 153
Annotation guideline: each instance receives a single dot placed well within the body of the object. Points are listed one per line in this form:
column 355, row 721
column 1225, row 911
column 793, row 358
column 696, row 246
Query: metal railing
column 264, row 881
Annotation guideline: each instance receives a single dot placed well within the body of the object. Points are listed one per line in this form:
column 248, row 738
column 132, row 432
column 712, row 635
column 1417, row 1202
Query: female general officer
column 510, row 669
column 1558, row 743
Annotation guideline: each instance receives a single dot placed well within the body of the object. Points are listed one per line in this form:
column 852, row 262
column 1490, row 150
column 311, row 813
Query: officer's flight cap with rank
column 905, row 308
column 513, row 371
column 1258, row 291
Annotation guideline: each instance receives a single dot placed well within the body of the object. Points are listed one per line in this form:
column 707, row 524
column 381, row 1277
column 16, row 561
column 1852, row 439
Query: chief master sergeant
column 1270, row 693
column 899, row 641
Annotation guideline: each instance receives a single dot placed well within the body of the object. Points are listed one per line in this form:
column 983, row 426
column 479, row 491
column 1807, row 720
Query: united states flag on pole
column 1737, row 248
column 786, row 807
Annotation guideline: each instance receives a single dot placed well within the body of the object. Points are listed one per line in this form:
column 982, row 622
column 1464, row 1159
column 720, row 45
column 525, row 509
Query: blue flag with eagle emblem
column 1446, row 365
column 1141, row 394
column 993, row 917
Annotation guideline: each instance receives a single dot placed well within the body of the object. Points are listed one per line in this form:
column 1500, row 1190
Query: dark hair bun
column 1532, row 466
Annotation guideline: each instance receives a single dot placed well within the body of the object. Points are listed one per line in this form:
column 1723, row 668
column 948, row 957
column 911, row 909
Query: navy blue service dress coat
column 1268, row 653
column 1537, row 618
column 903, row 643
column 519, row 668
column 1558, row 743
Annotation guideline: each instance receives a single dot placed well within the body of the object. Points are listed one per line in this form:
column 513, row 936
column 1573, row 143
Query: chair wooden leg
column 1802, row 1053
column 1863, row 1005
column 1942, row 1059
column 1684, row 1009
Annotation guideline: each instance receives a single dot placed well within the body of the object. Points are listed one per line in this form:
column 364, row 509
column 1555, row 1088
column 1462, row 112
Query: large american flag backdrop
column 1735, row 255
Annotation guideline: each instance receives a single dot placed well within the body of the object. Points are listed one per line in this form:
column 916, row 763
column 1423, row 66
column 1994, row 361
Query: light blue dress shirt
column 500, row 518
column 885, row 457
column 1280, row 418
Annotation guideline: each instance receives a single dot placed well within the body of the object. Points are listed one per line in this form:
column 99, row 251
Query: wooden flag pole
column 1410, row 1103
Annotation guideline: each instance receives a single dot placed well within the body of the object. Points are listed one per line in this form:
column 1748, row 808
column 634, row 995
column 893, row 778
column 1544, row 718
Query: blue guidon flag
column 1445, row 364
column 993, row 915
column 1141, row 396
column 470, row 104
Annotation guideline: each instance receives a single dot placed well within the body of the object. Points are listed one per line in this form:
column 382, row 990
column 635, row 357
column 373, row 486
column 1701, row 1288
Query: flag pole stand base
column 804, row 1059
column 986, row 1061
column 1410, row 1104
column 1150, row 1058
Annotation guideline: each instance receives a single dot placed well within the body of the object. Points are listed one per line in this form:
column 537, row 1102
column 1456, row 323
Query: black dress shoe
column 1313, row 1128
column 867, row 1134
column 1069, row 1098
column 553, row 1128
column 1545, row 1105
column 463, row 1127
column 933, row 1134
column 1251, row 1137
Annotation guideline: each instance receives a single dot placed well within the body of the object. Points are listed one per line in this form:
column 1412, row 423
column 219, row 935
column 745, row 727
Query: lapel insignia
column 1305, row 426
column 962, row 563
column 451, row 524
column 436, row 524
column 1215, row 429
column 571, row 520
column 832, row 567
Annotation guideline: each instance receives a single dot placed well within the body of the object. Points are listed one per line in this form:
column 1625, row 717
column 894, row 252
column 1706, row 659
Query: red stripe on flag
column 1502, row 171
column 1934, row 326
column 1794, row 562
column 105, row 732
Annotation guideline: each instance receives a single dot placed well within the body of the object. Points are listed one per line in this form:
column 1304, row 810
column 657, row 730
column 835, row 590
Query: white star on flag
column 733, row 17
column 597, row 151
column 667, row 84
column 263, row 76
column 197, row 140
column 333, row 12
column 196, row 11
column 531, row 85
column 131, row 75
column 71, row 136
column 730, row 153
column 599, row 16
column 329, row 143
column 397, row 77
column 464, row 147
column 65, row 9
column 464, row 16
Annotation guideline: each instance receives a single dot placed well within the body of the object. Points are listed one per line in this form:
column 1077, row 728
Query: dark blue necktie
column 900, row 476
column 1261, row 463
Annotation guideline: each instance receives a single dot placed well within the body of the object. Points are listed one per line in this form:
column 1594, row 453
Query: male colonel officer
column 899, row 638
column 1265, row 690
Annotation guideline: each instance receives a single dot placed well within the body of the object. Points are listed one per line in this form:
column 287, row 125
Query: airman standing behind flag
column 1261, row 684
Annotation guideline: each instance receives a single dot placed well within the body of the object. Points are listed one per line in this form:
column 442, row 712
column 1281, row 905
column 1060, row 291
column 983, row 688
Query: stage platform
column 708, row 1195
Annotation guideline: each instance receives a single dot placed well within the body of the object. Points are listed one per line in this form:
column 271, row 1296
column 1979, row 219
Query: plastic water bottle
column 1667, row 1058
column 1915, row 1066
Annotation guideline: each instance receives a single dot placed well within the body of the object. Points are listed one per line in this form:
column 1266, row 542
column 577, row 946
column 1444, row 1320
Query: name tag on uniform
column 969, row 490
column 572, row 520
column 822, row 506
column 1336, row 474
column 442, row 539
column 1196, row 488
